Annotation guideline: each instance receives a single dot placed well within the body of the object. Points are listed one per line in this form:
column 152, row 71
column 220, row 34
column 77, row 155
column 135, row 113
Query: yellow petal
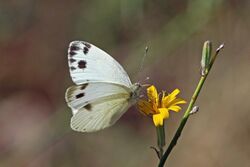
column 163, row 95
column 158, row 119
column 177, row 101
column 164, row 112
column 152, row 95
column 175, row 93
column 145, row 107
column 175, row 108
column 166, row 102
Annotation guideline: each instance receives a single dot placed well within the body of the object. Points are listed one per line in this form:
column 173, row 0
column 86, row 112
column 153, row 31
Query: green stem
column 187, row 113
column 183, row 122
column 160, row 139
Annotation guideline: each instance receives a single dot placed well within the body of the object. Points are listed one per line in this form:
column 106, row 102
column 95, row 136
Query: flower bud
column 206, row 57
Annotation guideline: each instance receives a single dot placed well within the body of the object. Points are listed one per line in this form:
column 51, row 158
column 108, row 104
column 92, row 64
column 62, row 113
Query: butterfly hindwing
column 80, row 95
column 97, row 105
column 89, row 63
column 101, row 114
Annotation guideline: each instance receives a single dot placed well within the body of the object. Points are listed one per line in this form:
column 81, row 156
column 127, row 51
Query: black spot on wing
column 72, row 68
column 74, row 47
column 72, row 53
column 88, row 107
column 71, row 60
column 83, row 86
column 85, row 50
column 82, row 64
column 79, row 95
column 87, row 45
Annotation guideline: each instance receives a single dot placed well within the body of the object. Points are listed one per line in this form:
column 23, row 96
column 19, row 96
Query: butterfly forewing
column 88, row 63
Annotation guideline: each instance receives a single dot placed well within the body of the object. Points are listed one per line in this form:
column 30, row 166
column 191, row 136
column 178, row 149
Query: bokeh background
column 34, row 118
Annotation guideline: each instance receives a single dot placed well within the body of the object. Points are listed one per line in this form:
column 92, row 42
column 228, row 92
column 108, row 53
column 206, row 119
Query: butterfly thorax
column 135, row 91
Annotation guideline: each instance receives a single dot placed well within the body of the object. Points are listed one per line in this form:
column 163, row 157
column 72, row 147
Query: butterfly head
column 136, row 89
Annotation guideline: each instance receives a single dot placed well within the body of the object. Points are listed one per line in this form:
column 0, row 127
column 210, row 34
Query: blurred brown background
column 34, row 118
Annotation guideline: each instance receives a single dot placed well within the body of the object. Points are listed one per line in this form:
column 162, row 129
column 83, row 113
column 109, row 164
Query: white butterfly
column 103, row 90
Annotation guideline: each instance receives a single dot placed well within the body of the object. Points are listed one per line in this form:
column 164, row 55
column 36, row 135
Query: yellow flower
column 158, row 108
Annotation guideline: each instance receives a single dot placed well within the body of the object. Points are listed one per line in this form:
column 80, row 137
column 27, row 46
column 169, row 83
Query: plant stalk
column 160, row 139
column 187, row 112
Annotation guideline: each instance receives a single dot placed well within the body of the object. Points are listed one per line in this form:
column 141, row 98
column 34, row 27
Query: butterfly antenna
column 143, row 59
column 145, row 84
column 141, row 66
